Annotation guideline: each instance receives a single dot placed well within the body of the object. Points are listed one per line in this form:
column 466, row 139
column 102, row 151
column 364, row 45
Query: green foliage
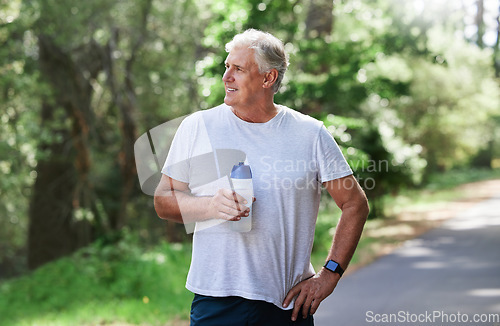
column 19, row 133
column 404, row 93
column 400, row 90
column 102, row 284
column 343, row 129
column 381, row 163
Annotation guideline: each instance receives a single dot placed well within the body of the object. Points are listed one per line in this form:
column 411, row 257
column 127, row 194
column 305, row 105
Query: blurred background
column 409, row 89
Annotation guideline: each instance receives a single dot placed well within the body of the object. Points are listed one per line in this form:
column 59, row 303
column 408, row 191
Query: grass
column 102, row 285
column 126, row 284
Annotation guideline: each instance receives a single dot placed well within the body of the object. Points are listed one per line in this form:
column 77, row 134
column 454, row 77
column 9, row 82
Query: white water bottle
column 241, row 177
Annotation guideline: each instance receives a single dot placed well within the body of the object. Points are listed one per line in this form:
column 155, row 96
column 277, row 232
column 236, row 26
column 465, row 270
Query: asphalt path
column 448, row 276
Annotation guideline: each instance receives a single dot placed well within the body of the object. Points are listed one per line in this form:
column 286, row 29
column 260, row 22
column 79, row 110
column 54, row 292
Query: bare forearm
column 174, row 201
column 181, row 207
column 354, row 205
column 348, row 232
column 310, row 292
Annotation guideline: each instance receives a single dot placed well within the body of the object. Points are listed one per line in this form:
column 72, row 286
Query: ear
column 270, row 78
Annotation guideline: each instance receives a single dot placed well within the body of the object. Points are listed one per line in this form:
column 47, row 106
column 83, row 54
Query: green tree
column 94, row 74
column 400, row 82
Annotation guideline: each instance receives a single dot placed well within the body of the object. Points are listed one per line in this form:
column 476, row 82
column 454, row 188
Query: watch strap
column 334, row 267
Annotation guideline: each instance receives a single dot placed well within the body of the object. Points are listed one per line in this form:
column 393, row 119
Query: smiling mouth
column 229, row 89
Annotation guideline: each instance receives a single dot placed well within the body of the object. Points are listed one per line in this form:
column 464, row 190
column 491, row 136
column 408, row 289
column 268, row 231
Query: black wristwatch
column 333, row 266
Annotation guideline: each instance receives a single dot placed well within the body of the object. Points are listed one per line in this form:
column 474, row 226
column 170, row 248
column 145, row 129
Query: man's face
column 242, row 80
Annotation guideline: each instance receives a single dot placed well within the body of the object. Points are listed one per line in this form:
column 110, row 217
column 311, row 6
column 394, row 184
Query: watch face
column 332, row 265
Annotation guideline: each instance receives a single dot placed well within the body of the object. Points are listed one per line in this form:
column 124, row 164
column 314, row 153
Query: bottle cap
column 241, row 171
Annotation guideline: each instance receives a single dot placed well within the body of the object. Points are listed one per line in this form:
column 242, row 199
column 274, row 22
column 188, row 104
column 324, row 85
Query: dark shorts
column 237, row 311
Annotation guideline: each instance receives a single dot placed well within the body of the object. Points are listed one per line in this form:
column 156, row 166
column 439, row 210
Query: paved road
column 447, row 275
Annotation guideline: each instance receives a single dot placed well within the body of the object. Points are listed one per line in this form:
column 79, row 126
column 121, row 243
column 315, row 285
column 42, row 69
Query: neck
column 256, row 115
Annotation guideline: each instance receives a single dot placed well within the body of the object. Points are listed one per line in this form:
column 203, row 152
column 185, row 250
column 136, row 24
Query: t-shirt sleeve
column 177, row 163
column 331, row 162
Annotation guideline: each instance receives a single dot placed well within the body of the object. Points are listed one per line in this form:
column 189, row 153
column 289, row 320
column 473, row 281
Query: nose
column 228, row 75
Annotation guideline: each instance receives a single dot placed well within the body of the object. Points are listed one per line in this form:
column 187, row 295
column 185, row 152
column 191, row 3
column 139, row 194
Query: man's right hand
column 227, row 205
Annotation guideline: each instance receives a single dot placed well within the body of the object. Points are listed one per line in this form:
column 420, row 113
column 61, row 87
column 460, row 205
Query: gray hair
column 269, row 52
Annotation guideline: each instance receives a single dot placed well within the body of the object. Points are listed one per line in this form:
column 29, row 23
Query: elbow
column 365, row 209
column 363, row 205
column 159, row 208
column 362, row 208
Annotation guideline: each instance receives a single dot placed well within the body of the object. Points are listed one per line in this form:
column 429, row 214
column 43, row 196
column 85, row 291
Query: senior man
column 264, row 276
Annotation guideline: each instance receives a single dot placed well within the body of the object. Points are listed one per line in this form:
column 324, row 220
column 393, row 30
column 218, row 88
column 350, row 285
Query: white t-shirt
column 290, row 156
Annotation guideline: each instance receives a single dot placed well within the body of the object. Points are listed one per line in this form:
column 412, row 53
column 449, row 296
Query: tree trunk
column 496, row 49
column 50, row 233
column 124, row 98
column 480, row 22
column 319, row 21
column 62, row 184
column 319, row 24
